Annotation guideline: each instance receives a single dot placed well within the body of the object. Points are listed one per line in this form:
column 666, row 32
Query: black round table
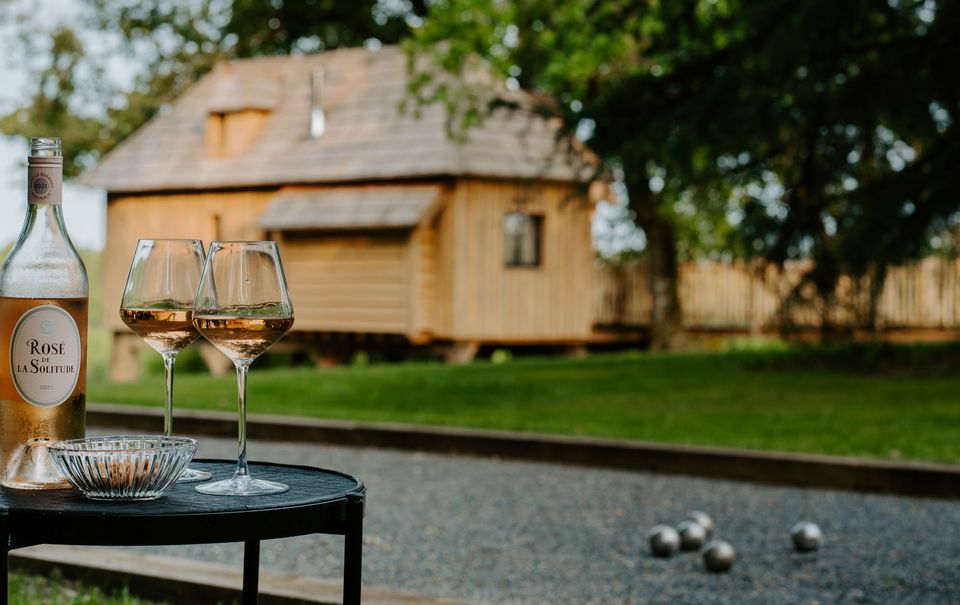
column 318, row 501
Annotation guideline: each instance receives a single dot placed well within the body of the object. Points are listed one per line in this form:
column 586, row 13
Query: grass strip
column 755, row 400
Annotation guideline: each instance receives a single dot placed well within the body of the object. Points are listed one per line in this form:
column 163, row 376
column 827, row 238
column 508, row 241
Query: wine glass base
column 192, row 476
column 242, row 485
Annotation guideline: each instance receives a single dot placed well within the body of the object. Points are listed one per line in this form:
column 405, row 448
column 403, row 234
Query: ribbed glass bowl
column 123, row 467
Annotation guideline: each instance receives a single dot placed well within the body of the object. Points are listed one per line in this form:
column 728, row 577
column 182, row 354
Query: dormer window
column 231, row 132
column 237, row 109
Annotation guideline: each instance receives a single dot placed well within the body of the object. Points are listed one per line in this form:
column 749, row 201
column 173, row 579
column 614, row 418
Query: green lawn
column 40, row 590
column 768, row 400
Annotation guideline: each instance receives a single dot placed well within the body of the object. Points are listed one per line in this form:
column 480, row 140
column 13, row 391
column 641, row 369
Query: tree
column 308, row 25
column 865, row 134
column 819, row 129
column 596, row 66
column 48, row 109
column 824, row 129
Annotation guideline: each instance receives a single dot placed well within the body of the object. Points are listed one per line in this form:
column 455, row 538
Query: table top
column 315, row 503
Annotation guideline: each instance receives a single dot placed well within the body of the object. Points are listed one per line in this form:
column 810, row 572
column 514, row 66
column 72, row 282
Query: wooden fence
column 748, row 296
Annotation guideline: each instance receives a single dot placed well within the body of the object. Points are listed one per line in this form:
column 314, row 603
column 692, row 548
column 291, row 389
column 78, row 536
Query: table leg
column 251, row 572
column 3, row 575
column 352, row 551
column 4, row 558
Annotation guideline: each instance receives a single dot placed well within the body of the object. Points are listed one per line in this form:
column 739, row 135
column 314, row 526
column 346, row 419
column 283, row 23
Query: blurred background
column 522, row 182
column 706, row 222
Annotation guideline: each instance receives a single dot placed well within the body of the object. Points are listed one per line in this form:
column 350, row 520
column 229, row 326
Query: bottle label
column 45, row 354
column 44, row 180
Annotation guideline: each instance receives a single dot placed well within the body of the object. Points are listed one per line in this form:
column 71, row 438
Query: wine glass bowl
column 242, row 337
column 242, row 307
column 164, row 330
column 157, row 305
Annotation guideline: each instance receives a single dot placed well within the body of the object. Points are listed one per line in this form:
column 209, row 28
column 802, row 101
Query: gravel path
column 528, row 533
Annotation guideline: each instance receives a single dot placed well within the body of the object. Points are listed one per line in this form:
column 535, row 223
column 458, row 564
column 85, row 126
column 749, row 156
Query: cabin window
column 522, row 236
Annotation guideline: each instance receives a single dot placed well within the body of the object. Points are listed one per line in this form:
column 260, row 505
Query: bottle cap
column 45, row 147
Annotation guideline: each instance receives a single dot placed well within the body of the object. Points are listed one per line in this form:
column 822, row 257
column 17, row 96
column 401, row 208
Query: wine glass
column 157, row 304
column 242, row 307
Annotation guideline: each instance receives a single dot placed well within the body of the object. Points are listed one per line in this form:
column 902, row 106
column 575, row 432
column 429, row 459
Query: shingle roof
column 390, row 207
column 234, row 92
column 367, row 135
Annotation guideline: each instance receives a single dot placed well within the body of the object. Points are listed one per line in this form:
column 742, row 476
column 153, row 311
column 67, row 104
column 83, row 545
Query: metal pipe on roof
column 318, row 119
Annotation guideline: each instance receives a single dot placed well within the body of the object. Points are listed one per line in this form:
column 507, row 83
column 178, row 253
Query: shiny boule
column 806, row 536
column 704, row 520
column 718, row 556
column 664, row 541
column 692, row 535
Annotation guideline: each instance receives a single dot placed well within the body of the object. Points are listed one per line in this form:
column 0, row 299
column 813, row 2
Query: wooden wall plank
column 493, row 302
column 337, row 282
column 204, row 216
column 359, row 284
column 736, row 296
column 445, row 280
column 445, row 293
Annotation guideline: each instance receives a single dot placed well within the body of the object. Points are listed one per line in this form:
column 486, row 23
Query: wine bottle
column 43, row 331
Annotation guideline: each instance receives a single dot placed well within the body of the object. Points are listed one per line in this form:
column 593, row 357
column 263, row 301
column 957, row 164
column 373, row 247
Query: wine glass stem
column 168, row 361
column 242, row 369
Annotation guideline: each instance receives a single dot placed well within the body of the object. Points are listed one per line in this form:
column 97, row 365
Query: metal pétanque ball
column 718, row 556
column 705, row 521
column 806, row 536
column 664, row 541
column 692, row 535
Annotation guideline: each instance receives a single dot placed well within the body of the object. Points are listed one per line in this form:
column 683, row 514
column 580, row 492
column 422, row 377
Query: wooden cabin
column 389, row 230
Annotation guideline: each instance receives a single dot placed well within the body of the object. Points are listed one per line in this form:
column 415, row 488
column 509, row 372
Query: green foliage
column 820, row 129
column 170, row 45
column 778, row 400
column 261, row 27
column 73, row 96
column 863, row 140
column 48, row 111
column 54, row 590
